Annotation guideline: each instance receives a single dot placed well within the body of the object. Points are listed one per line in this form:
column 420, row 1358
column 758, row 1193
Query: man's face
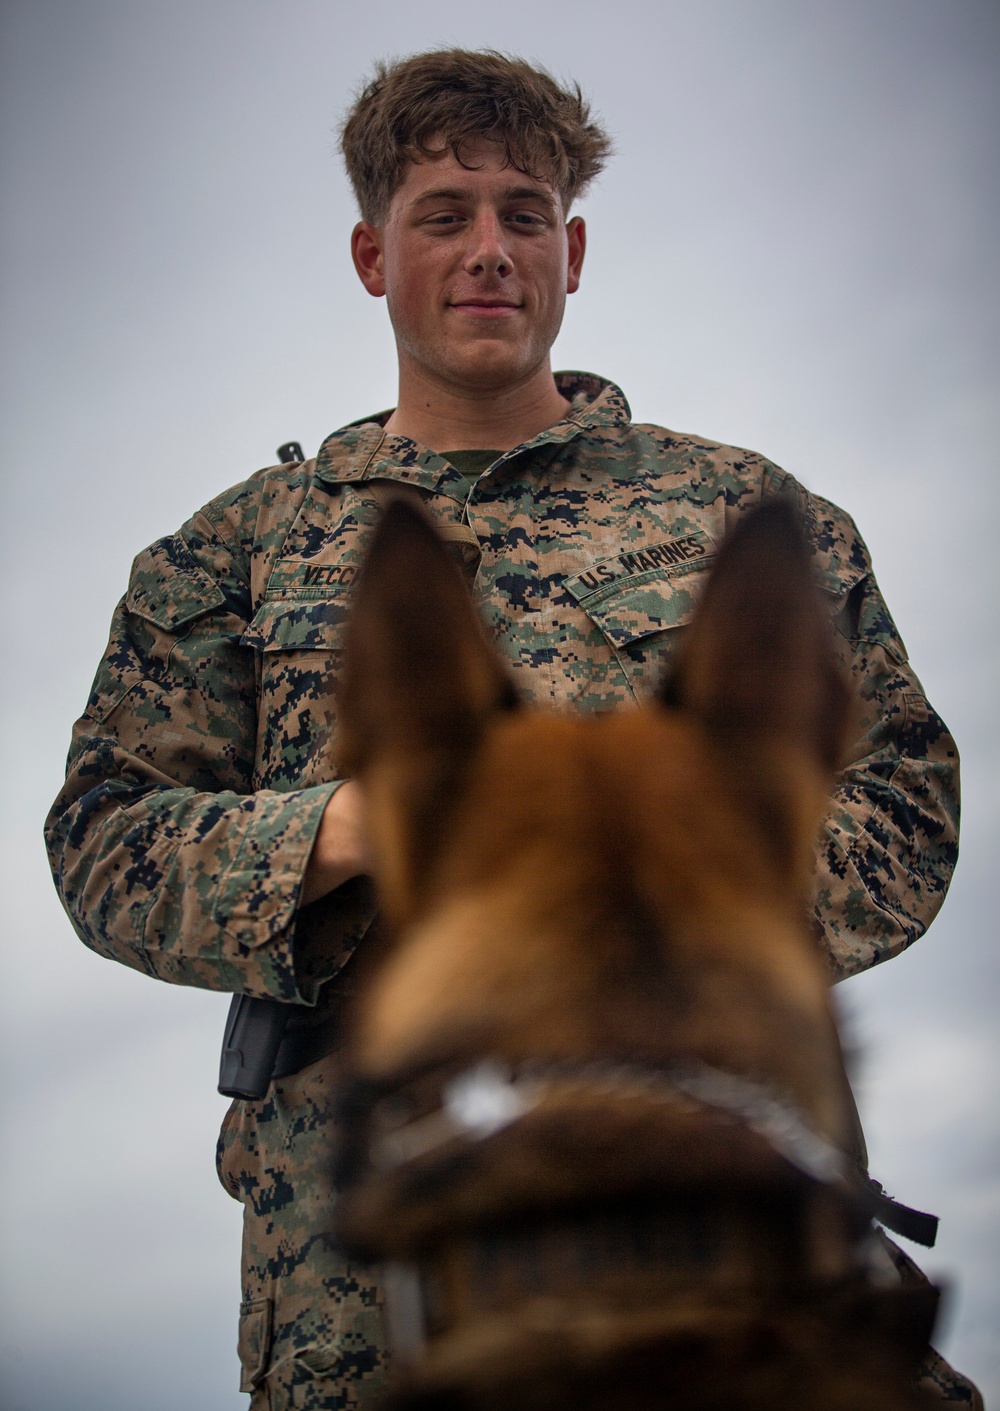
column 475, row 266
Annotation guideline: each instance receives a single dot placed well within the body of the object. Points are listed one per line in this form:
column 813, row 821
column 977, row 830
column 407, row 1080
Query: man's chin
column 488, row 366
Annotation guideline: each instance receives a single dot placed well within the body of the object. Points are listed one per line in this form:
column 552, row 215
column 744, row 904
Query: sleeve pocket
column 168, row 587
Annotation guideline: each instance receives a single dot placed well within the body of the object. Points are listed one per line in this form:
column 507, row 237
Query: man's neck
column 447, row 418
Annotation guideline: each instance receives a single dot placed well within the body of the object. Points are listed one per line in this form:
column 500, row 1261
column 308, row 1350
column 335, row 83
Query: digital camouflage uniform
column 201, row 767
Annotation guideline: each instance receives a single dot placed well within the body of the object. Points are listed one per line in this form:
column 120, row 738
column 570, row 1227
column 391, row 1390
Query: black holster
column 254, row 1031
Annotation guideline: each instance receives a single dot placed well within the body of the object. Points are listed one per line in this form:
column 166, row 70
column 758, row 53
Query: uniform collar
column 364, row 451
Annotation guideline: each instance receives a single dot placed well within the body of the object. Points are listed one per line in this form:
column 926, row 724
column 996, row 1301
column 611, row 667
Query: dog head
column 601, row 1021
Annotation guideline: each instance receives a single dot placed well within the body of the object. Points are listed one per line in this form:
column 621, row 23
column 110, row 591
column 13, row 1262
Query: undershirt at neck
column 471, row 464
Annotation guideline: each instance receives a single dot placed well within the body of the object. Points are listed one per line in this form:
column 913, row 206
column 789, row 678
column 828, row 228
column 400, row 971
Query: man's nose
column 487, row 251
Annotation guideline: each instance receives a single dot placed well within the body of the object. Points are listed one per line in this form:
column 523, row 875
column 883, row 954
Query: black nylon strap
column 901, row 1219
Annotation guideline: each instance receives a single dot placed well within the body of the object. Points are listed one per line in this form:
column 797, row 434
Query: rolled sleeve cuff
column 258, row 897
column 860, row 930
column 233, row 929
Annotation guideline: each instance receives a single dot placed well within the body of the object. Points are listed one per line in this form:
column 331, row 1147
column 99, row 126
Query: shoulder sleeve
column 890, row 841
column 164, row 856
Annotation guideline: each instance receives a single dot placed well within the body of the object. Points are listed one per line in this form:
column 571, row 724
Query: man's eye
column 526, row 218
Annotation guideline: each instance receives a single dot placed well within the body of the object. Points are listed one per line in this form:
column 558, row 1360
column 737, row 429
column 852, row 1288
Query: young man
column 204, row 834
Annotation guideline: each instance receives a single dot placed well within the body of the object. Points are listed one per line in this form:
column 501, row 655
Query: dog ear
column 420, row 681
column 757, row 664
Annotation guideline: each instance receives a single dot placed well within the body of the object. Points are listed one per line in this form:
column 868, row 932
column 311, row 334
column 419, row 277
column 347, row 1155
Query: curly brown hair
column 458, row 97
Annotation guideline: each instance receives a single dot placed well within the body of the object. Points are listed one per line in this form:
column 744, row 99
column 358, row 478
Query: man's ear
column 576, row 238
column 758, row 667
column 366, row 252
column 420, row 682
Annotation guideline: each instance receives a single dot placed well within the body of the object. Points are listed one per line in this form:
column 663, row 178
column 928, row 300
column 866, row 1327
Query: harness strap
column 902, row 1219
column 479, row 1101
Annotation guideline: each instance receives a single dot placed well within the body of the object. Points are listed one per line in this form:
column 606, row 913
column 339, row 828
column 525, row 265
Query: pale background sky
column 795, row 250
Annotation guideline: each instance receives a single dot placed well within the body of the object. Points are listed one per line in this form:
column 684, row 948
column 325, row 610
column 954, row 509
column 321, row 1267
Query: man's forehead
column 484, row 163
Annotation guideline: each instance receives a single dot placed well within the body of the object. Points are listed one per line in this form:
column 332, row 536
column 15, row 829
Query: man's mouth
column 486, row 308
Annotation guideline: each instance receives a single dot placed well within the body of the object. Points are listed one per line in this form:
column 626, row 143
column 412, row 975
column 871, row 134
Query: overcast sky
column 794, row 250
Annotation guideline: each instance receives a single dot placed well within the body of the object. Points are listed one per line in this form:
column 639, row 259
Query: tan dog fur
column 632, row 889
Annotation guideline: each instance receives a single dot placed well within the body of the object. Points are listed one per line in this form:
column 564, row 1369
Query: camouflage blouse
column 201, row 766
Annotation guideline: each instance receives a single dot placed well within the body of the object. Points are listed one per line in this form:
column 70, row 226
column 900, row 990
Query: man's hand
column 341, row 848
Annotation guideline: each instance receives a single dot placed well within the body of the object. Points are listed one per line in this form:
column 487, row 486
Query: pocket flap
column 838, row 580
column 254, row 1341
column 645, row 590
column 169, row 587
column 284, row 625
column 626, row 614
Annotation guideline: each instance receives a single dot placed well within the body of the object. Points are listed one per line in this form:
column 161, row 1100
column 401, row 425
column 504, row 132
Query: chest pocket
column 299, row 646
column 640, row 598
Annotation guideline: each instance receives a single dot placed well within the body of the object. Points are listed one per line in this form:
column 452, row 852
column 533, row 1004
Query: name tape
column 668, row 557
